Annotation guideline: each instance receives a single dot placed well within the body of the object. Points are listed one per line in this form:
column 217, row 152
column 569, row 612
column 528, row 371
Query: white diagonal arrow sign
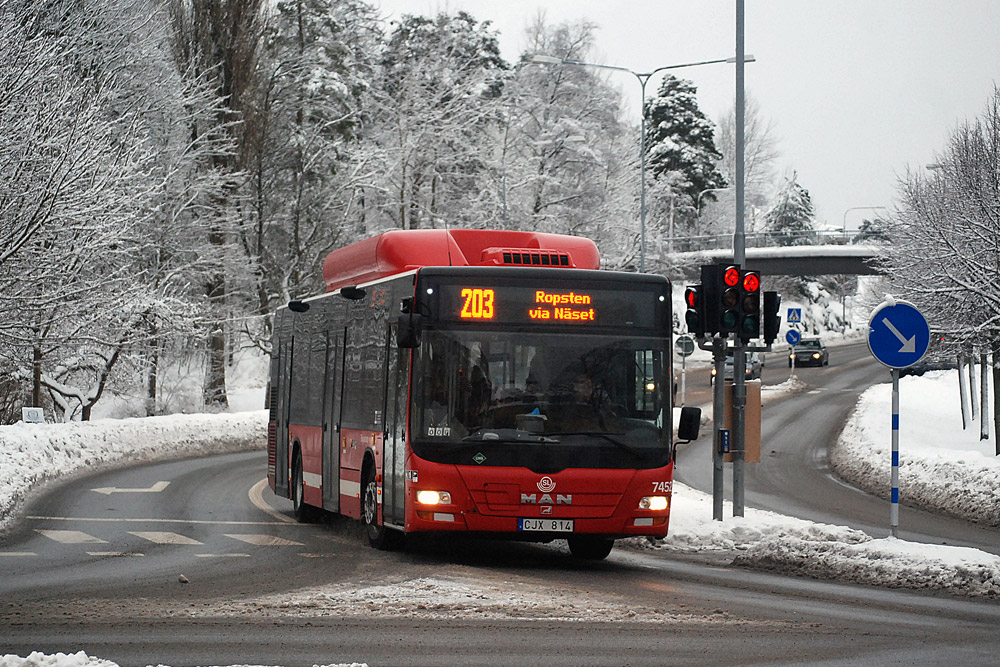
column 909, row 344
column 156, row 488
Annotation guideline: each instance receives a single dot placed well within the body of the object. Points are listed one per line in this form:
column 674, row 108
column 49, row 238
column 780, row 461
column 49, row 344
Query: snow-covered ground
column 941, row 465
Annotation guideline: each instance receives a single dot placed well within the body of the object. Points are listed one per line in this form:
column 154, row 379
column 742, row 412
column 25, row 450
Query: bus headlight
column 433, row 497
column 653, row 503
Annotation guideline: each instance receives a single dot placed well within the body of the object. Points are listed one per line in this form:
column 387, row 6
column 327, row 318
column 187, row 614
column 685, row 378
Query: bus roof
column 400, row 250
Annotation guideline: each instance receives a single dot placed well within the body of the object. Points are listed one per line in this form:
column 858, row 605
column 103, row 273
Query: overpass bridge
column 800, row 260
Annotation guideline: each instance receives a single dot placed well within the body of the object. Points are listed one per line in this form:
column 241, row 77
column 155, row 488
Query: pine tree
column 790, row 219
column 680, row 143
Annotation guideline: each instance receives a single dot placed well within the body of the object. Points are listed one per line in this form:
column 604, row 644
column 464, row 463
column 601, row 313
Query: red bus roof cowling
column 400, row 250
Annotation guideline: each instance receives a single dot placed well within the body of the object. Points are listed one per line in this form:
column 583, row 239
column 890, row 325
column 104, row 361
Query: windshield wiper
column 610, row 438
column 506, row 435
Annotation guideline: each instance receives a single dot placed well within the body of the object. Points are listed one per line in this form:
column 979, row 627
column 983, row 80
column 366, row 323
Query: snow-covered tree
column 759, row 156
column 680, row 140
column 790, row 218
column 307, row 117
column 439, row 88
column 944, row 250
column 564, row 160
column 223, row 40
column 681, row 157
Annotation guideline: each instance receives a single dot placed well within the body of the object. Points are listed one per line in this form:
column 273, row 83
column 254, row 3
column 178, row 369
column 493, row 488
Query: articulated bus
column 484, row 382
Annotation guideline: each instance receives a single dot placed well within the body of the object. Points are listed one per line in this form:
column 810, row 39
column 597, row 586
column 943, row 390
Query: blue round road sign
column 898, row 335
column 793, row 337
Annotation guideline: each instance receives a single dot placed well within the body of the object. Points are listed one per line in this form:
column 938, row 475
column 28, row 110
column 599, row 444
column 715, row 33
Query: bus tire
column 379, row 537
column 302, row 512
column 590, row 547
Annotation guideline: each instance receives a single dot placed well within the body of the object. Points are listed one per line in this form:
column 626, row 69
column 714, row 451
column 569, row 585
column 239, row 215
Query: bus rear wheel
column 590, row 548
column 380, row 537
column 302, row 512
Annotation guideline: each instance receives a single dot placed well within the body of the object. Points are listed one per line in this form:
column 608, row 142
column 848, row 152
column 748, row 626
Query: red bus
column 472, row 381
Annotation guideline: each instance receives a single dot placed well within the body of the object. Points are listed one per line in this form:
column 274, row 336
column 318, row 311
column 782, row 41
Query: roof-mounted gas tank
column 397, row 251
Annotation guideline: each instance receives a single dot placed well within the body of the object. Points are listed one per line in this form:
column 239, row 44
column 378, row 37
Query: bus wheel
column 590, row 548
column 303, row 513
column 380, row 537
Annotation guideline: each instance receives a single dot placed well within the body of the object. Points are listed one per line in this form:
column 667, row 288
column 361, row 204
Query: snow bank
column 768, row 541
column 941, row 467
column 34, row 453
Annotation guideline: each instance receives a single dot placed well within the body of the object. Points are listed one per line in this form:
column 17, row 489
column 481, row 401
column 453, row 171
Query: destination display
column 513, row 304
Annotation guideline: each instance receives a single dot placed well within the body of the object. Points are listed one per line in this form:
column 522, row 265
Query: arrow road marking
column 909, row 344
column 156, row 488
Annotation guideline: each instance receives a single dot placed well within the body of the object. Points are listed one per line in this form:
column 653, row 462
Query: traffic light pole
column 739, row 256
column 718, row 415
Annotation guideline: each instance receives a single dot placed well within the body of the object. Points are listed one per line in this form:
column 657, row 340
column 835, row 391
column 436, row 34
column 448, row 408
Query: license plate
column 546, row 525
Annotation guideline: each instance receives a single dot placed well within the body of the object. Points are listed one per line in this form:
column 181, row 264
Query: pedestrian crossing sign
column 794, row 315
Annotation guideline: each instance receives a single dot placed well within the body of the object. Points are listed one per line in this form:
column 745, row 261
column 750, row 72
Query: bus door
column 282, row 384
column 394, row 436
column 332, row 391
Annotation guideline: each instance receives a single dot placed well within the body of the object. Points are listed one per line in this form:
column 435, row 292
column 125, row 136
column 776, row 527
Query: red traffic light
column 691, row 297
column 731, row 276
column 751, row 282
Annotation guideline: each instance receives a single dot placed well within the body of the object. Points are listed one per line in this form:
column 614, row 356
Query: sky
column 857, row 91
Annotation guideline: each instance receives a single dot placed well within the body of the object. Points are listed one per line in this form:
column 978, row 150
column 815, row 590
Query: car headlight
column 433, row 497
column 653, row 503
column 816, row 355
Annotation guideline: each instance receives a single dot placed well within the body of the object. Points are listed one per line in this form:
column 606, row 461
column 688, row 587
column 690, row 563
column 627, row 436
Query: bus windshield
column 546, row 401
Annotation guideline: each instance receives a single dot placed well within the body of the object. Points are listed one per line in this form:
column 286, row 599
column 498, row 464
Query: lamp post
column 643, row 78
column 859, row 208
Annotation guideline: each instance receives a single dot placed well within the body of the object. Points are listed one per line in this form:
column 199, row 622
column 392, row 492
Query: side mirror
column 408, row 326
column 689, row 425
column 687, row 428
column 352, row 292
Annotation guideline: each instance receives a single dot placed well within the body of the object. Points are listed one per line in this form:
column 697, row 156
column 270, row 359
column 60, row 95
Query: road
column 795, row 478
column 100, row 572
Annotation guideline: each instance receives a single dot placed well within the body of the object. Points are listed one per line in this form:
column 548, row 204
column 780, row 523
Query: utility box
column 751, row 452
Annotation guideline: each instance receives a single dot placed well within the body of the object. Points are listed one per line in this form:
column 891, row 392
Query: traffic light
column 730, row 298
column 748, row 326
column 711, row 278
column 695, row 315
column 772, row 320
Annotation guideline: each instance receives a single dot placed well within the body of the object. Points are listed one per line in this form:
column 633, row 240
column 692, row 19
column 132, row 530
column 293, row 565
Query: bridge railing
column 774, row 239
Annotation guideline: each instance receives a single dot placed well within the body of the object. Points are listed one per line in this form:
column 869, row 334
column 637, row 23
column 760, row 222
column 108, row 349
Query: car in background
column 755, row 362
column 809, row 352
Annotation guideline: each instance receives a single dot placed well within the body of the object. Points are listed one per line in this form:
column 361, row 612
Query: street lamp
column 698, row 203
column 859, row 208
column 643, row 77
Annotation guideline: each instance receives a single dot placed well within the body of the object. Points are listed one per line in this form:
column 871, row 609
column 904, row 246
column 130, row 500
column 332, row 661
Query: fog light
column 653, row 503
column 433, row 497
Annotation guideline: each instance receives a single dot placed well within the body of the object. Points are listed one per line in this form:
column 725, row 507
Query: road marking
column 257, row 498
column 70, row 536
column 125, row 520
column 163, row 537
column 222, row 555
column 156, row 488
column 14, row 554
column 264, row 540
